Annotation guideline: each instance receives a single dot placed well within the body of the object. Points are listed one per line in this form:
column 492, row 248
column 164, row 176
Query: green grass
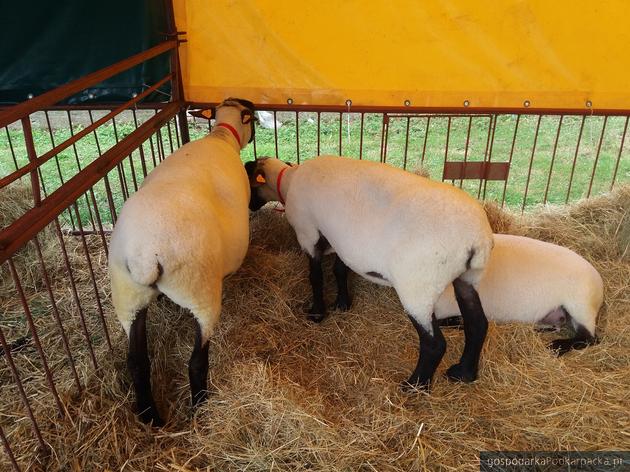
column 422, row 149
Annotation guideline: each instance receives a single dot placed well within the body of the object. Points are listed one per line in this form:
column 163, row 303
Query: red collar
column 233, row 131
column 278, row 182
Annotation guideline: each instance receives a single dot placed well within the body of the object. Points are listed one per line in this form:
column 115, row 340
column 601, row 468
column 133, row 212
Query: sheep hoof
column 459, row 373
column 414, row 386
column 199, row 398
column 342, row 304
column 562, row 346
column 151, row 416
column 316, row 317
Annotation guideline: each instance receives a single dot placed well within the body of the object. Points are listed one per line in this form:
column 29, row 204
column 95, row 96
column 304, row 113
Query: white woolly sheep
column 532, row 281
column 185, row 229
column 393, row 228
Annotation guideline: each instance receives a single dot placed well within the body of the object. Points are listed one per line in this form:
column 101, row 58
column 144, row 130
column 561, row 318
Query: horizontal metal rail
column 33, row 164
column 26, row 227
column 54, row 96
column 428, row 110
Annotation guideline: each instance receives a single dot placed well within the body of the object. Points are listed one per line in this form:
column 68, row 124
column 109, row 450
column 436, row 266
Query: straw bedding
column 290, row 395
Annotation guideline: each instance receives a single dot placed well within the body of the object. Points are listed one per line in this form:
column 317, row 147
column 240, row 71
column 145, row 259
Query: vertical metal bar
column 275, row 133
column 255, row 149
column 75, row 293
column 170, row 137
column 361, row 137
column 108, row 189
column 20, row 387
column 577, row 149
column 100, row 223
column 623, row 138
column 384, row 133
column 485, row 180
column 531, row 162
column 448, row 137
column 53, row 304
column 183, row 125
column 8, row 450
column 131, row 165
column 34, row 335
column 426, row 135
column 141, row 148
column 599, row 148
column 297, row 136
column 176, row 127
column 340, row 131
column 76, row 158
column 120, row 166
column 152, row 151
column 318, row 125
column 6, row 128
column 52, row 142
column 553, row 158
column 93, row 277
column 485, row 152
column 461, row 181
column 32, row 156
column 160, row 144
column 406, row 143
column 518, row 120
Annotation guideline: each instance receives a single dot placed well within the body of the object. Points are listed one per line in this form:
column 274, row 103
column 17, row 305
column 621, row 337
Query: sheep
column 185, row 229
column 393, row 228
column 532, row 281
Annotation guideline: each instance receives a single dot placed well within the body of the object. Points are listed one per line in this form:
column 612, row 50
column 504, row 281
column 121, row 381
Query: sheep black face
column 256, row 180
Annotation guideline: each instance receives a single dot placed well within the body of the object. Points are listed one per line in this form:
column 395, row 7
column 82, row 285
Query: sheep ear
column 258, row 179
column 261, row 179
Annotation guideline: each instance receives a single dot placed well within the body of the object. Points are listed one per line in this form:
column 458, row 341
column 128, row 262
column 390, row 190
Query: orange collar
column 232, row 130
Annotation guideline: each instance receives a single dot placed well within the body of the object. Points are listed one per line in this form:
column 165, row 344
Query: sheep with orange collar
column 185, row 229
column 532, row 281
column 393, row 228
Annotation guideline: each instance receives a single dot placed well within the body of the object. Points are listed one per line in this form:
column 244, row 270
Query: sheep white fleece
column 184, row 230
column 526, row 279
column 418, row 234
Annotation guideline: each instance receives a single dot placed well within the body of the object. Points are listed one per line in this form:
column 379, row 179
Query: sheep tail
column 479, row 255
column 145, row 270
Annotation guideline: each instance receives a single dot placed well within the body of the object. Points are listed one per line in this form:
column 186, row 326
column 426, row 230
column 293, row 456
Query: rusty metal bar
column 32, row 156
column 176, row 127
column 318, row 126
column 518, row 120
column 170, row 137
column 384, row 137
column 531, row 162
column 485, row 153
column 8, row 450
column 75, row 294
column 153, row 150
column 577, row 149
column 23, row 229
column 461, row 181
column 340, row 131
column 93, row 277
column 599, row 148
column 623, row 138
column 275, row 134
column 74, row 138
column 100, row 223
column 52, row 143
column 426, row 135
column 6, row 128
column 361, row 137
column 406, row 143
column 53, row 304
column 121, row 168
column 430, row 110
column 47, row 99
column 489, row 161
column 448, row 137
column 141, row 148
column 553, row 158
column 34, row 335
column 297, row 136
column 20, row 387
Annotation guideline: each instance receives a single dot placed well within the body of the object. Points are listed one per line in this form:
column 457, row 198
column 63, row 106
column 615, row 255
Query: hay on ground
column 291, row 395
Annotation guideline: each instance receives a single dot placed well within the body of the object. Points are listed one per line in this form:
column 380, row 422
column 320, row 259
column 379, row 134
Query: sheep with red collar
column 532, row 281
column 393, row 228
column 185, row 229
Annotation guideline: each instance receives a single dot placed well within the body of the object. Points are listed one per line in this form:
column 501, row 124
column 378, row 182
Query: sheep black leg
column 344, row 301
column 140, row 368
column 317, row 311
column 198, row 369
column 581, row 340
column 475, row 329
column 432, row 349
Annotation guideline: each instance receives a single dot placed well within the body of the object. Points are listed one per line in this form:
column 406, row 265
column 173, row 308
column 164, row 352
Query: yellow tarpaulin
column 501, row 53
